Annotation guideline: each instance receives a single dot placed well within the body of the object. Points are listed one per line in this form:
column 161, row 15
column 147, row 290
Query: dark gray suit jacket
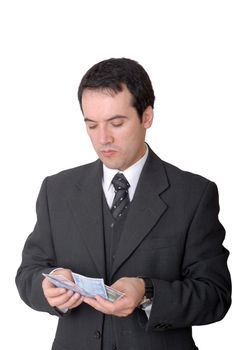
column 172, row 234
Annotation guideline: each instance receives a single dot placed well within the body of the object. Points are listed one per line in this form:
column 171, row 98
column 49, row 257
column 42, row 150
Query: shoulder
column 189, row 187
column 73, row 176
column 183, row 177
column 188, row 190
column 76, row 171
column 181, row 182
column 174, row 174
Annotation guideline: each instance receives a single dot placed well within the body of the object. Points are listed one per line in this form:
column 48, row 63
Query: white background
column 46, row 47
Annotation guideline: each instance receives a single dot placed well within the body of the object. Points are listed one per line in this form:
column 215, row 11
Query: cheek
column 127, row 135
column 92, row 138
column 132, row 138
column 125, row 141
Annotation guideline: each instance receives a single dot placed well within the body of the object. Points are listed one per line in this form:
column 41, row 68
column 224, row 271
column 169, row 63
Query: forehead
column 105, row 99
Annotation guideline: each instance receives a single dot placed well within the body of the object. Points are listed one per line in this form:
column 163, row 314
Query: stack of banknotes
column 86, row 286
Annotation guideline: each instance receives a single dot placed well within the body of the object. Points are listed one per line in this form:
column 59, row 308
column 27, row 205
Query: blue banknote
column 85, row 286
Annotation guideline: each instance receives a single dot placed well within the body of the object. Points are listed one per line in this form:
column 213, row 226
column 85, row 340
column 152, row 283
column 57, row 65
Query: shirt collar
column 132, row 174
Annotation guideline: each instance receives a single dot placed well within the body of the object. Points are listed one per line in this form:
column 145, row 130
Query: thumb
column 119, row 285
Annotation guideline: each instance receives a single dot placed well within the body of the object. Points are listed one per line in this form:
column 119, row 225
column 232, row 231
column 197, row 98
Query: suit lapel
column 86, row 206
column 145, row 210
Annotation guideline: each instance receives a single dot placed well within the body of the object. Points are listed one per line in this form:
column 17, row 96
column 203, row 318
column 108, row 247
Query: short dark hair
column 113, row 74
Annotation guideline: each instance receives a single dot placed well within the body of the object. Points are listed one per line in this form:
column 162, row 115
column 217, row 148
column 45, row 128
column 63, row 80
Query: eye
column 117, row 124
column 91, row 126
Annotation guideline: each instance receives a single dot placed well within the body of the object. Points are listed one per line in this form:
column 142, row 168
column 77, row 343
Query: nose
column 105, row 136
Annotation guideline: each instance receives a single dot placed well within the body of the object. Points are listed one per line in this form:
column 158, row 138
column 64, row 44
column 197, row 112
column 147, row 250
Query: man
column 151, row 231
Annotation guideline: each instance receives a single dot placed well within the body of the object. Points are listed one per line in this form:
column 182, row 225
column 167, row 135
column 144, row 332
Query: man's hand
column 134, row 290
column 60, row 297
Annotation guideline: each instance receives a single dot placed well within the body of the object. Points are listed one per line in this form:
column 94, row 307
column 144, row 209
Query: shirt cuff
column 147, row 309
column 57, row 268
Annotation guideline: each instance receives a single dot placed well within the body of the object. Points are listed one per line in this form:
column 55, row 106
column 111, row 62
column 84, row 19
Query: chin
column 110, row 165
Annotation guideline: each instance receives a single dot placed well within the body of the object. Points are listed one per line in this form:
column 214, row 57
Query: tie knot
column 120, row 182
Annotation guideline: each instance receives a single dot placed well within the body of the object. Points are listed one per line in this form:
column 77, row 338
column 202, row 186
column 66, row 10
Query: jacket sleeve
column 203, row 295
column 38, row 256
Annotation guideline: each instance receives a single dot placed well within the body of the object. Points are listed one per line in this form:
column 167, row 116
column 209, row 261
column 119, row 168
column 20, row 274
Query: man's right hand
column 61, row 298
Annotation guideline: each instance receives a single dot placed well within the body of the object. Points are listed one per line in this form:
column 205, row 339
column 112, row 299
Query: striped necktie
column 121, row 200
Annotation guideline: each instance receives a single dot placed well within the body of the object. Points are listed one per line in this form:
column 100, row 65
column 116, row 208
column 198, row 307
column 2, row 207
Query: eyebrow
column 109, row 119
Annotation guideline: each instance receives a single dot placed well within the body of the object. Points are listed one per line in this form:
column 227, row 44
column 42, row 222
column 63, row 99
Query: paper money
column 113, row 294
column 90, row 286
column 85, row 286
column 62, row 282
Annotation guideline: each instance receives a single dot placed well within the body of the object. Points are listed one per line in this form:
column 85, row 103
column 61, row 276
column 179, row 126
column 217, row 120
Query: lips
column 108, row 153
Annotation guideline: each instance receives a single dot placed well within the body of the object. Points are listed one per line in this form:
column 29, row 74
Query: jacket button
column 168, row 326
column 159, row 326
column 97, row 335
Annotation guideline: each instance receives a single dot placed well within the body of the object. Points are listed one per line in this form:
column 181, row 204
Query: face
column 113, row 125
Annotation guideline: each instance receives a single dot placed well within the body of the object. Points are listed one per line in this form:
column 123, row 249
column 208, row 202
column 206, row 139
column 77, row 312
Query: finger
column 65, row 273
column 104, row 302
column 120, row 284
column 101, row 304
column 54, row 292
column 74, row 301
column 51, row 290
column 120, row 308
column 61, row 299
column 94, row 303
column 77, row 303
column 116, row 308
column 46, row 283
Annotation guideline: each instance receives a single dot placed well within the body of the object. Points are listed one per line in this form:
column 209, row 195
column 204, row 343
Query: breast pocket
column 154, row 243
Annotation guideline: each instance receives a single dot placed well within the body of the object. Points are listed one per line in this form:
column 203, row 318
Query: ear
column 147, row 117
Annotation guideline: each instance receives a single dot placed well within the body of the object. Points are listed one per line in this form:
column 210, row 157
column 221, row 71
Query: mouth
column 108, row 152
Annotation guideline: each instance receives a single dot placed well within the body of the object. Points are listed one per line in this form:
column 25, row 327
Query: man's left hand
column 133, row 289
